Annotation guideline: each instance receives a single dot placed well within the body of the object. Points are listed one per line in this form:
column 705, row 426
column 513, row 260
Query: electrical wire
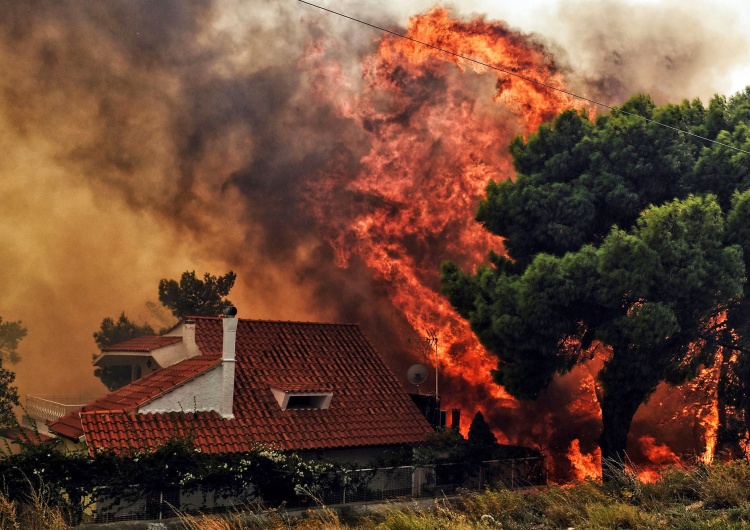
column 525, row 78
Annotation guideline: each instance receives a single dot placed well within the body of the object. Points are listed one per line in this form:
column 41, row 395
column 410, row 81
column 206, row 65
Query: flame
column 657, row 456
column 434, row 146
column 584, row 466
column 710, row 424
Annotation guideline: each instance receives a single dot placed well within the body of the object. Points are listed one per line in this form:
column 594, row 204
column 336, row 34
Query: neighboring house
column 12, row 439
column 318, row 389
column 144, row 355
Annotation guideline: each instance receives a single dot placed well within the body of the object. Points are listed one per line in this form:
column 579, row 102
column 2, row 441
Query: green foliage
column 71, row 480
column 195, row 297
column 615, row 515
column 618, row 232
column 11, row 334
column 675, row 486
column 727, row 485
column 500, row 504
column 443, row 445
column 704, row 498
column 111, row 332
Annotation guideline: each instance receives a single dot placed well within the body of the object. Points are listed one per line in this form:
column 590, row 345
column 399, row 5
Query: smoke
column 669, row 50
column 143, row 139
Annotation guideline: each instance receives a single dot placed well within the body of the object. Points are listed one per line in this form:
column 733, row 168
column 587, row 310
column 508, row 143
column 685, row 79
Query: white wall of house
column 200, row 394
column 172, row 354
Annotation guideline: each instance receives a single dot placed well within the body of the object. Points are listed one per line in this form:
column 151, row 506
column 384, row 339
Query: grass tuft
column 726, row 485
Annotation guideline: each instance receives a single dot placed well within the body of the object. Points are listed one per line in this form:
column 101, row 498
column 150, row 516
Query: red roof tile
column 24, row 435
column 129, row 397
column 369, row 404
column 145, row 344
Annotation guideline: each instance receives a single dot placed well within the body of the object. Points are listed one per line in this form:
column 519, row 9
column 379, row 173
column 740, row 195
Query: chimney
column 227, row 363
column 188, row 338
column 456, row 420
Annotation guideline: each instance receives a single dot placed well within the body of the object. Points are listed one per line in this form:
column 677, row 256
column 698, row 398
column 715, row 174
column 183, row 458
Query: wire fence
column 363, row 485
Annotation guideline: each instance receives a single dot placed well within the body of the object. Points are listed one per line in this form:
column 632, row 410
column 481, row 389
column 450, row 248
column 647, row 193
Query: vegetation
column 626, row 236
column 68, row 481
column 703, row 498
column 11, row 334
column 195, row 297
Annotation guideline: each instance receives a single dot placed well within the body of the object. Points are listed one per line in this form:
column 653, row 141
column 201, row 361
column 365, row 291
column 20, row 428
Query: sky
column 144, row 139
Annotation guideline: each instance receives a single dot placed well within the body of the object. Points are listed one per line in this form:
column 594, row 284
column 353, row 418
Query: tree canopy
column 618, row 233
column 111, row 332
column 11, row 334
column 195, row 297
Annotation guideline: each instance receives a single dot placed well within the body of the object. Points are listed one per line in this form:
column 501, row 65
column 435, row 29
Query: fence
column 357, row 486
column 52, row 407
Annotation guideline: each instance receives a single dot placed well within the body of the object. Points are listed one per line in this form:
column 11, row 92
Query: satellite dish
column 417, row 374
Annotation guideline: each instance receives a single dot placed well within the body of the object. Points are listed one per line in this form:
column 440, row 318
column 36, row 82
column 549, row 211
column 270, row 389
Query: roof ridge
column 271, row 321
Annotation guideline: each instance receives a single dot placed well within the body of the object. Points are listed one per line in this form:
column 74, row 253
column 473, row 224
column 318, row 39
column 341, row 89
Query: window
column 306, row 402
column 300, row 400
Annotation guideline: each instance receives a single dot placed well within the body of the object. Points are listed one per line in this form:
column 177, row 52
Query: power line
column 525, row 78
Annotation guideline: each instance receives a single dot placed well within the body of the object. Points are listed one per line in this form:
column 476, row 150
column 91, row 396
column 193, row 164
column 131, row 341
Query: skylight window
column 302, row 400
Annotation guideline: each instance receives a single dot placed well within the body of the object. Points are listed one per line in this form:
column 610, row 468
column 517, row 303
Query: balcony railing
column 52, row 407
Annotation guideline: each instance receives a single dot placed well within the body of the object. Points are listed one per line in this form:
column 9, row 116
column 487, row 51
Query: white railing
column 53, row 407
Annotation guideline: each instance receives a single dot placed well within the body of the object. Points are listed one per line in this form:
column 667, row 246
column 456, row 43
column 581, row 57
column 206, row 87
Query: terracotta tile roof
column 369, row 404
column 146, row 343
column 129, row 397
column 24, row 435
column 300, row 385
column 123, row 431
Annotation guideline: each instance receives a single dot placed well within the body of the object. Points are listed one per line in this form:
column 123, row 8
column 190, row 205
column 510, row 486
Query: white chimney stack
column 227, row 362
column 188, row 338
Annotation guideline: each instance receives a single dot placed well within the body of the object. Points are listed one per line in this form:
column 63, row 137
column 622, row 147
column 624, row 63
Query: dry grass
column 705, row 498
column 36, row 514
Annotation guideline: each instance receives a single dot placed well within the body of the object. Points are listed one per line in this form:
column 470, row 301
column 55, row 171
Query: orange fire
column 658, row 456
column 435, row 145
column 584, row 466
column 438, row 128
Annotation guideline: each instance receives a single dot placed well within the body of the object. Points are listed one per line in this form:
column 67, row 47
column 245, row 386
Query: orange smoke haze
column 331, row 167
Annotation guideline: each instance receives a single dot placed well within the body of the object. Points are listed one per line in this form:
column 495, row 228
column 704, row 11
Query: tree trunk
column 617, row 416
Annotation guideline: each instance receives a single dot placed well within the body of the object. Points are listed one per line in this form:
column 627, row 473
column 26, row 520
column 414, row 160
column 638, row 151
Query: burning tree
column 616, row 239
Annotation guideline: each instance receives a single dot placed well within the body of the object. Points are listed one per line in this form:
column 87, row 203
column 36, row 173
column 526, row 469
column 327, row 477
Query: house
column 317, row 389
column 144, row 355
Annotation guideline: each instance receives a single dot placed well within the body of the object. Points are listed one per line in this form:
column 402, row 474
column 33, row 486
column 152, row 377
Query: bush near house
column 71, row 482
